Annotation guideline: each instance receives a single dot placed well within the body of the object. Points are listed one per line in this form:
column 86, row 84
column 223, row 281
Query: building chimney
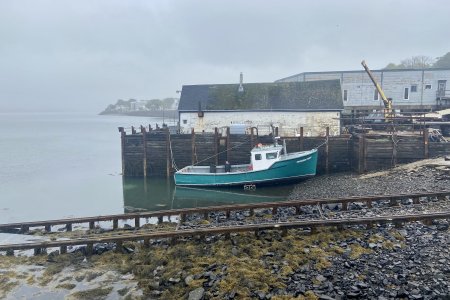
column 241, row 80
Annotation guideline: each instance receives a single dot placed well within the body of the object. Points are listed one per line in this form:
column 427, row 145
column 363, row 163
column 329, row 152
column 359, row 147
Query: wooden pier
column 157, row 152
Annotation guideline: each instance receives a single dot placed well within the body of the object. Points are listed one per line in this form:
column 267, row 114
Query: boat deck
column 217, row 169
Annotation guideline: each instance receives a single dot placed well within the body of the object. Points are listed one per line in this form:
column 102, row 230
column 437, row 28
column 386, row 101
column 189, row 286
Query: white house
column 286, row 105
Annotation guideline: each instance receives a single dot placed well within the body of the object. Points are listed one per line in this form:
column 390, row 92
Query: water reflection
column 158, row 193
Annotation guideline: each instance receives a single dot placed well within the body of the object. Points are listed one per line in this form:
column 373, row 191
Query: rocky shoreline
column 385, row 262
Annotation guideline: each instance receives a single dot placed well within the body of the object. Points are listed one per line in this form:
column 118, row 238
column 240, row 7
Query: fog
column 84, row 55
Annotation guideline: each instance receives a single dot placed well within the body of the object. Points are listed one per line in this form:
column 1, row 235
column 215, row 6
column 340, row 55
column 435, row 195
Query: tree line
column 421, row 62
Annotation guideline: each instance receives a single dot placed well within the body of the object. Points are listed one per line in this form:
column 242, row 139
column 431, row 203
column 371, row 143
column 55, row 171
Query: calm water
column 57, row 165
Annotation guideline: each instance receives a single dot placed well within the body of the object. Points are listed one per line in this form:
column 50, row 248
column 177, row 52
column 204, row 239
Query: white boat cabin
column 264, row 156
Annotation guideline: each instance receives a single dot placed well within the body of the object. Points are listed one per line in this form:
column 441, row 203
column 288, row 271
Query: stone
column 188, row 279
column 196, row 294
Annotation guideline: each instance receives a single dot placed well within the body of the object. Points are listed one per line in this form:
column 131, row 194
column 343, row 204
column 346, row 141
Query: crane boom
column 386, row 101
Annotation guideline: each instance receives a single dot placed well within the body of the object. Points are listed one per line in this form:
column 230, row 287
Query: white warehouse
column 410, row 89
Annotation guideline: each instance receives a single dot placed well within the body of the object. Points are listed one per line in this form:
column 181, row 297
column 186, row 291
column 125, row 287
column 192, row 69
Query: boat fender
column 259, row 145
column 250, row 167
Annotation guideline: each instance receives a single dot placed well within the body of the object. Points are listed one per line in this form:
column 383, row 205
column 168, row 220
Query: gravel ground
column 414, row 263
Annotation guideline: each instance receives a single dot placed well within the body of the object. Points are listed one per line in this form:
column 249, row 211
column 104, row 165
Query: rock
column 196, row 294
column 325, row 297
column 261, row 295
column 320, row 278
column 188, row 279
column 442, row 227
column 174, row 280
column 407, row 201
column 234, row 251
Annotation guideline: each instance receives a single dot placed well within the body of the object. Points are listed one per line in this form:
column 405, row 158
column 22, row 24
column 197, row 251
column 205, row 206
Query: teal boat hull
column 295, row 168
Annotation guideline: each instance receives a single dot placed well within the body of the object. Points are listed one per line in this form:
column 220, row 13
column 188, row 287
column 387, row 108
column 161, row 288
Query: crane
column 388, row 112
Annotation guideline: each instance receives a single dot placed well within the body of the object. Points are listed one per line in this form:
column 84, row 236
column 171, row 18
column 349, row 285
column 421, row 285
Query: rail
column 284, row 226
column 183, row 213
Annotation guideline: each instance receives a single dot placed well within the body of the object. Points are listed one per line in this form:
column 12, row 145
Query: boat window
column 271, row 155
column 258, row 157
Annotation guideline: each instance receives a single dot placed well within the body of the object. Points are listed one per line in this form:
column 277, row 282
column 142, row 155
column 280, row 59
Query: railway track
column 368, row 201
column 387, row 214
column 145, row 237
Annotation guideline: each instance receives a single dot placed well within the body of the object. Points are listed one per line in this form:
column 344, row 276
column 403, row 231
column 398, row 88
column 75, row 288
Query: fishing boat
column 268, row 164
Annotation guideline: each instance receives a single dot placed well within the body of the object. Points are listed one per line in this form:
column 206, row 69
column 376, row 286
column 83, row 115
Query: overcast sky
column 83, row 55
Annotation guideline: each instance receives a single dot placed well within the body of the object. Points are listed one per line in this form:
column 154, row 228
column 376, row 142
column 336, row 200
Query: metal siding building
column 410, row 89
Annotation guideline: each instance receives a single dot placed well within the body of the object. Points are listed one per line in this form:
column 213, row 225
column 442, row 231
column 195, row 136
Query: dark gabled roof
column 311, row 95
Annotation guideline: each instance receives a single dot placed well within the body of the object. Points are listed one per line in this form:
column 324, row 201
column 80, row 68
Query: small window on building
column 184, row 121
column 258, row 157
column 271, row 155
column 406, row 94
column 376, row 96
column 414, row 88
column 345, row 95
column 428, row 86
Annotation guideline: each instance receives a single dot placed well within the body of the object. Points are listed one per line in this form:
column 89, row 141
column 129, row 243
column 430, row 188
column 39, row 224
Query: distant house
column 410, row 89
column 286, row 105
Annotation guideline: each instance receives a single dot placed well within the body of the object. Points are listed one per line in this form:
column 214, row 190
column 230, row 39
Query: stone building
column 286, row 105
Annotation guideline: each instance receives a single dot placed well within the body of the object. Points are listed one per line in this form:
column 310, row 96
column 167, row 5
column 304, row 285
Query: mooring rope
column 324, row 143
column 221, row 152
column 174, row 165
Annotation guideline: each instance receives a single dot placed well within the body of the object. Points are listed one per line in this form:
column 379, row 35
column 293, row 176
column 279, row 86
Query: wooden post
column 274, row 210
column 144, row 154
column 146, row 242
column 160, row 219
column 122, row 140
column 115, row 224
column 48, row 228
column 193, row 146
column 361, row 154
column 425, row 143
column 394, row 149
column 69, row 227
column 301, row 139
column 91, row 225
column 63, row 249
column 327, row 149
column 216, row 146
column 137, row 222
column 89, row 248
column 119, row 246
column 252, row 138
column 133, row 130
column 168, row 156
column 228, row 143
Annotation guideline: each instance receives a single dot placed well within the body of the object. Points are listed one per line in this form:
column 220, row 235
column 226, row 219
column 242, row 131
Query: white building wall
column 360, row 89
column 288, row 123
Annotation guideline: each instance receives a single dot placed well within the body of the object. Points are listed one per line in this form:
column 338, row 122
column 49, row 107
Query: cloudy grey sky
column 83, row 55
